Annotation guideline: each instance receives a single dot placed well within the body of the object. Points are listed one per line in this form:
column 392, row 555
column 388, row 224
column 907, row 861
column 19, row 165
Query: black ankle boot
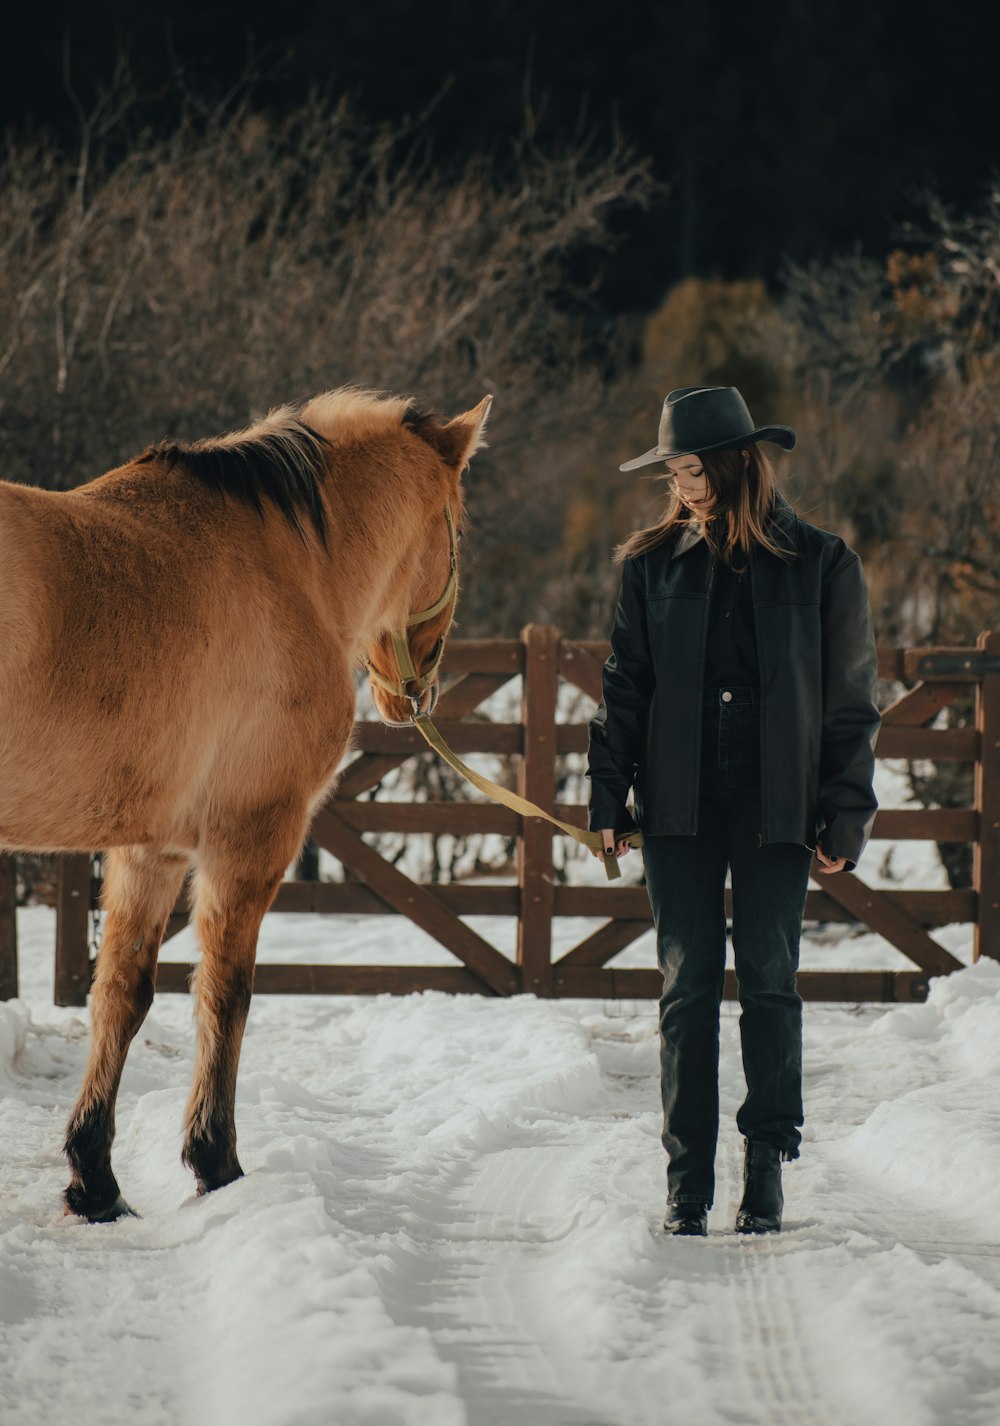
column 760, row 1211
column 686, row 1220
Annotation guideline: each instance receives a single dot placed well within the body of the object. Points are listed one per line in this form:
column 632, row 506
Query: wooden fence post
column 72, row 980
column 8, row 927
column 537, row 781
column 986, row 851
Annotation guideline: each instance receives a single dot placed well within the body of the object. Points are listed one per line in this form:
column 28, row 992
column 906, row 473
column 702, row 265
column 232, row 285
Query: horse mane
column 353, row 413
column 284, row 457
column 357, row 413
column 281, row 459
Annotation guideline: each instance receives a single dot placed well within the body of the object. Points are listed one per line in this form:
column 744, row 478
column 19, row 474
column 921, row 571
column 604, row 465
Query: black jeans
column 685, row 878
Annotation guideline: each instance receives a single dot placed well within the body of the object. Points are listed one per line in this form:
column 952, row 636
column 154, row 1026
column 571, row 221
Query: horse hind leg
column 140, row 890
column 235, row 885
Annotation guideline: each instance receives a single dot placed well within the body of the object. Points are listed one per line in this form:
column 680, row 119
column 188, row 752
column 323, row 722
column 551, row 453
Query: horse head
column 404, row 661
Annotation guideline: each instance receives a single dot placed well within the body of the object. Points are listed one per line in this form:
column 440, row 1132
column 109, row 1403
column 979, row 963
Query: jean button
column 727, row 697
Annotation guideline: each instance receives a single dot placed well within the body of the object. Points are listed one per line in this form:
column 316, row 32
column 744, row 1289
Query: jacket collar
column 690, row 534
column 782, row 522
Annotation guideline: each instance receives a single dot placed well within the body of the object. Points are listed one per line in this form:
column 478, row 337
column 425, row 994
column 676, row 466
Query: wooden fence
column 476, row 669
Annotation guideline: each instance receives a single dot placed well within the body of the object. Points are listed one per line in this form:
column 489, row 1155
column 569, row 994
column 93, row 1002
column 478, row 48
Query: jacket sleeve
column 851, row 719
column 618, row 728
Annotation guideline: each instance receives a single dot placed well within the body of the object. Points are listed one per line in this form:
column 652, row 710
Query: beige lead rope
column 500, row 794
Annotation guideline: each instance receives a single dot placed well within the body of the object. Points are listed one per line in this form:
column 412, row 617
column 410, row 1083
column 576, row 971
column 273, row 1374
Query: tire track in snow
column 484, row 1277
column 474, row 1277
column 772, row 1319
column 759, row 1307
column 758, row 1304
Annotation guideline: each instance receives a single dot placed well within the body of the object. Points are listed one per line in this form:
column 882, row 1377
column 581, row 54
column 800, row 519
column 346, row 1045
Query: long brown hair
column 743, row 484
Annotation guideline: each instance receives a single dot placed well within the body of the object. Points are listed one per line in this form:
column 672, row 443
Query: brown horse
column 178, row 640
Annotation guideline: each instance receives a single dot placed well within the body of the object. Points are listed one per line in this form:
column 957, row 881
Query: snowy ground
column 452, row 1206
column 451, row 1213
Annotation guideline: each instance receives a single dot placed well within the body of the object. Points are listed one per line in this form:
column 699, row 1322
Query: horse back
column 159, row 649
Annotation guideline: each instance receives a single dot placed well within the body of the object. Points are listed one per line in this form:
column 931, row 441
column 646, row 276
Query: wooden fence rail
column 476, row 669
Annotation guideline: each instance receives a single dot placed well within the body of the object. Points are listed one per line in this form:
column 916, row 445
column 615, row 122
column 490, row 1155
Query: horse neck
column 385, row 548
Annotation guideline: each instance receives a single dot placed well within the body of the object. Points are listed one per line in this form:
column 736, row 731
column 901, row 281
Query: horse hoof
column 78, row 1205
column 223, row 1181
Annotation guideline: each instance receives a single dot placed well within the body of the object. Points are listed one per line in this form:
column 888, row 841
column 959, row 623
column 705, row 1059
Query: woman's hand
column 830, row 864
column 608, row 838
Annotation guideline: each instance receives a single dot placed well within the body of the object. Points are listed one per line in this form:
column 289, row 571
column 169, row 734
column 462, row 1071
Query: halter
column 410, row 684
column 413, row 686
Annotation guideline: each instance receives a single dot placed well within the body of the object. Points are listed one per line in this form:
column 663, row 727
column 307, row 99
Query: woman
column 739, row 703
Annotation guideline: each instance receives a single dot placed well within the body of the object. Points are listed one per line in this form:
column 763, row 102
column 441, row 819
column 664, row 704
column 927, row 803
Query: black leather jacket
column 818, row 683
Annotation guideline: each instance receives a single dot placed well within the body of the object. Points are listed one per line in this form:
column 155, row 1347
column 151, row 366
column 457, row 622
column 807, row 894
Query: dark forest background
column 787, row 130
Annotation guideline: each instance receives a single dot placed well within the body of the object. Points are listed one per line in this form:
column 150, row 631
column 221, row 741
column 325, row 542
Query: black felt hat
column 707, row 418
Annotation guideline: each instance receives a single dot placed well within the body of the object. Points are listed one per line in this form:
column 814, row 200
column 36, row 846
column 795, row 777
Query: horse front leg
column 140, row 890
column 235, row 886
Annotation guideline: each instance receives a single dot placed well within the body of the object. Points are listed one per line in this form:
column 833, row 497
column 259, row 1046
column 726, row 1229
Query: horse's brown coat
column 176, row 686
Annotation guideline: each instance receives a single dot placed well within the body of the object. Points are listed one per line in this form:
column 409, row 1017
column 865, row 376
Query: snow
column 451, row 1209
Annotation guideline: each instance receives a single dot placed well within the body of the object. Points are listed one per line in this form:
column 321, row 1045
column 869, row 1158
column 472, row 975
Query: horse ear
column 457, row 441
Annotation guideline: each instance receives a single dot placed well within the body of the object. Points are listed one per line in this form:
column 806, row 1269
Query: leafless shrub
column 835, row 336
column 36, row 879
column 896, row 372
column 175, row 286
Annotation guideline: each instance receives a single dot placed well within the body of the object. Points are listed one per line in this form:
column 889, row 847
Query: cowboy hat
column 707, row 418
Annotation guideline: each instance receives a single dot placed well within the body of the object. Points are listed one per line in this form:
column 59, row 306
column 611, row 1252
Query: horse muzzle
column 421, row 701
